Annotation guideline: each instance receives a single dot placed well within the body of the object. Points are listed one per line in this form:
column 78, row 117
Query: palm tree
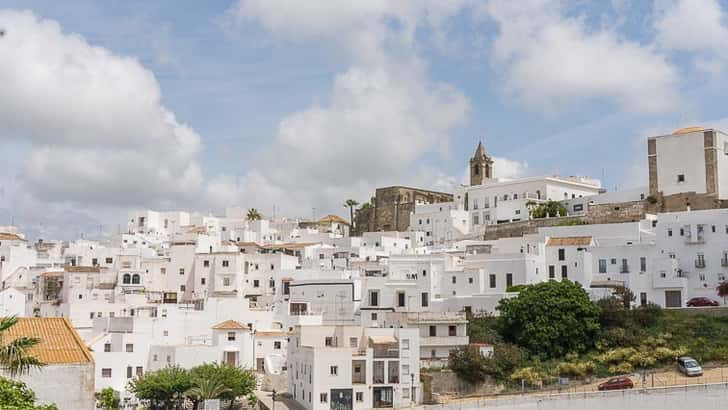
column 207, row 389
column 351, row 203
column 14, row 356
column 253, row 214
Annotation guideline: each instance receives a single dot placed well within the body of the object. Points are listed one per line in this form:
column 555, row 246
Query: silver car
column 689, row 366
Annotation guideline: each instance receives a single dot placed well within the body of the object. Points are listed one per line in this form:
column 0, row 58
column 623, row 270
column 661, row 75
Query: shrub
column 528, row 375
column 468, row 364
column 621, row 368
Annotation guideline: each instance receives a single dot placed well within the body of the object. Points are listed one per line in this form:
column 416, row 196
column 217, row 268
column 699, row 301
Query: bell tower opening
column 481, row 166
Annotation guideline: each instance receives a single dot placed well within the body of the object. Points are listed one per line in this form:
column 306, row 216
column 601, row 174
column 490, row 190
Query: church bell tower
column 481, row 166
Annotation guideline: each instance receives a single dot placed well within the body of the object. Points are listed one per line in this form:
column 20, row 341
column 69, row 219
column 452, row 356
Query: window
column 373, row 298
column 405, row 370
column 405, row 392
column 256, row 283
column 353, row 342
column 225, row 263
column 374, row 316
column 334, row 370
column 602, row 266
column 277, row 345
column 163, row 270
column 562, row 254
column 126, row 278
column 680, row 178
column 109, row 260
column 359, row 396
column 470, row 280
column 563, row 272
column 433, row 331
column 452, row 330
column 202, row 281
column 454, row 279
column 400, row 299
column 643, row 264
column 329, row 341
column 139, row 371
column 492, row 280
column 182, row 288
column 165, row 333
column 425, row 299
column 669, row 232
column 324, row 397
column 206, row 263
column 578, row 207
column 155, row 358
column 643, row 298
column 107, row 347
column 509, row 279
column 613, row 261
column 552, row 273
column 106, row 372
column 476, row 219
column 405, row 344
column 129, row 348
column 181, row 271
column 129, row 372
column 231, row 336
column 135, row 279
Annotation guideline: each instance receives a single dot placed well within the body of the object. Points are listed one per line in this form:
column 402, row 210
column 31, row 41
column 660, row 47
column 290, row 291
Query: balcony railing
column 700, row 263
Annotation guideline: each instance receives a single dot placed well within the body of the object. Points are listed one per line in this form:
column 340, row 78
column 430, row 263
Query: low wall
column 703, row 397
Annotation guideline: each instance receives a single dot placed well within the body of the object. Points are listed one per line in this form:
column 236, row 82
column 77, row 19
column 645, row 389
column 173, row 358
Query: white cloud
column 93, row 120
column 694, row 26
column 552, row 61
column 504, row 168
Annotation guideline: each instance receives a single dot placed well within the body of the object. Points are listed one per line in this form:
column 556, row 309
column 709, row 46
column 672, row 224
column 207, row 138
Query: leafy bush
column 17, row 395
column 516, row 288
column 528, row 375
column 468, row 364
column 575, row 369
column 621, row 368
column 550, row 319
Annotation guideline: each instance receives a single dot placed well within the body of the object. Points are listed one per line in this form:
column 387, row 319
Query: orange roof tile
column 570, row 241
column 333, row 218
column 59, row 342
column 230, row 325
column 5, row 236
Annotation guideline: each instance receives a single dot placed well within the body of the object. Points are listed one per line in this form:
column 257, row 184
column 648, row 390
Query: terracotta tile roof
column 198, row 229
column 84, row 269
column 230, row 325
column 59, row 342
column 5, row 236
column 246, row 244
column 333, row 218
column 570, row 241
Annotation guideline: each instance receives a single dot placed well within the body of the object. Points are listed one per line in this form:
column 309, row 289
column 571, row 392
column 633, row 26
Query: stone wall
column 616, row 213
column 391, row 208
column 683, row 201
column 446, row 383
column 520, row 228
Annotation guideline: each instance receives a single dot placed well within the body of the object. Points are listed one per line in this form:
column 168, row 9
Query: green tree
column 722, row 290
column 549, row 209
column 108, row 399
column 14, row 357
column 351, row 203
column 16, row 395
column 237, row 381
column 550, row 319
column 163, row 389
column 207, row 388
column 253, row 215
column 468, row 364
column 366, row 205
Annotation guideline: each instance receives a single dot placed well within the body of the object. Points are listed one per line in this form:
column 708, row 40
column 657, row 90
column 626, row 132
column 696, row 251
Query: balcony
column 700, row 263
column 673, row 281
column 444, row 341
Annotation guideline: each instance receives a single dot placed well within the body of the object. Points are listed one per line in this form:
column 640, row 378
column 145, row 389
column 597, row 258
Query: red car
column 699, row 302
column 616, row 383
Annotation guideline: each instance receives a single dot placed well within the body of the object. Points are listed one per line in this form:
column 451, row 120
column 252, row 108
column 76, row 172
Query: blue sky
column 301, row 104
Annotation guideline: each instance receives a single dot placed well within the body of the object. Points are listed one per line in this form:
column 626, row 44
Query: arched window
column 126, row 278
column 135, row 279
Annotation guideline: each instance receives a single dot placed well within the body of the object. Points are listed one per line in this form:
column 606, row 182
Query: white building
column 354, row 367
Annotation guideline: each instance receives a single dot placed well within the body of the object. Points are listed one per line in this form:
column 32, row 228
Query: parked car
column 689, row 366
column 699, row 302
column 616, row 383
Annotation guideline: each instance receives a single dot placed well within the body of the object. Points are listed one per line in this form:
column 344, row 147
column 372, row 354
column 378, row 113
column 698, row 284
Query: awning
column 383, row 340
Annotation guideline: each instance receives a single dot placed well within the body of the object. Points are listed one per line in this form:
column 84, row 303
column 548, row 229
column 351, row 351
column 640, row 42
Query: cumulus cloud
column 699, row 27
column 93, row 121
column 552, row 61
